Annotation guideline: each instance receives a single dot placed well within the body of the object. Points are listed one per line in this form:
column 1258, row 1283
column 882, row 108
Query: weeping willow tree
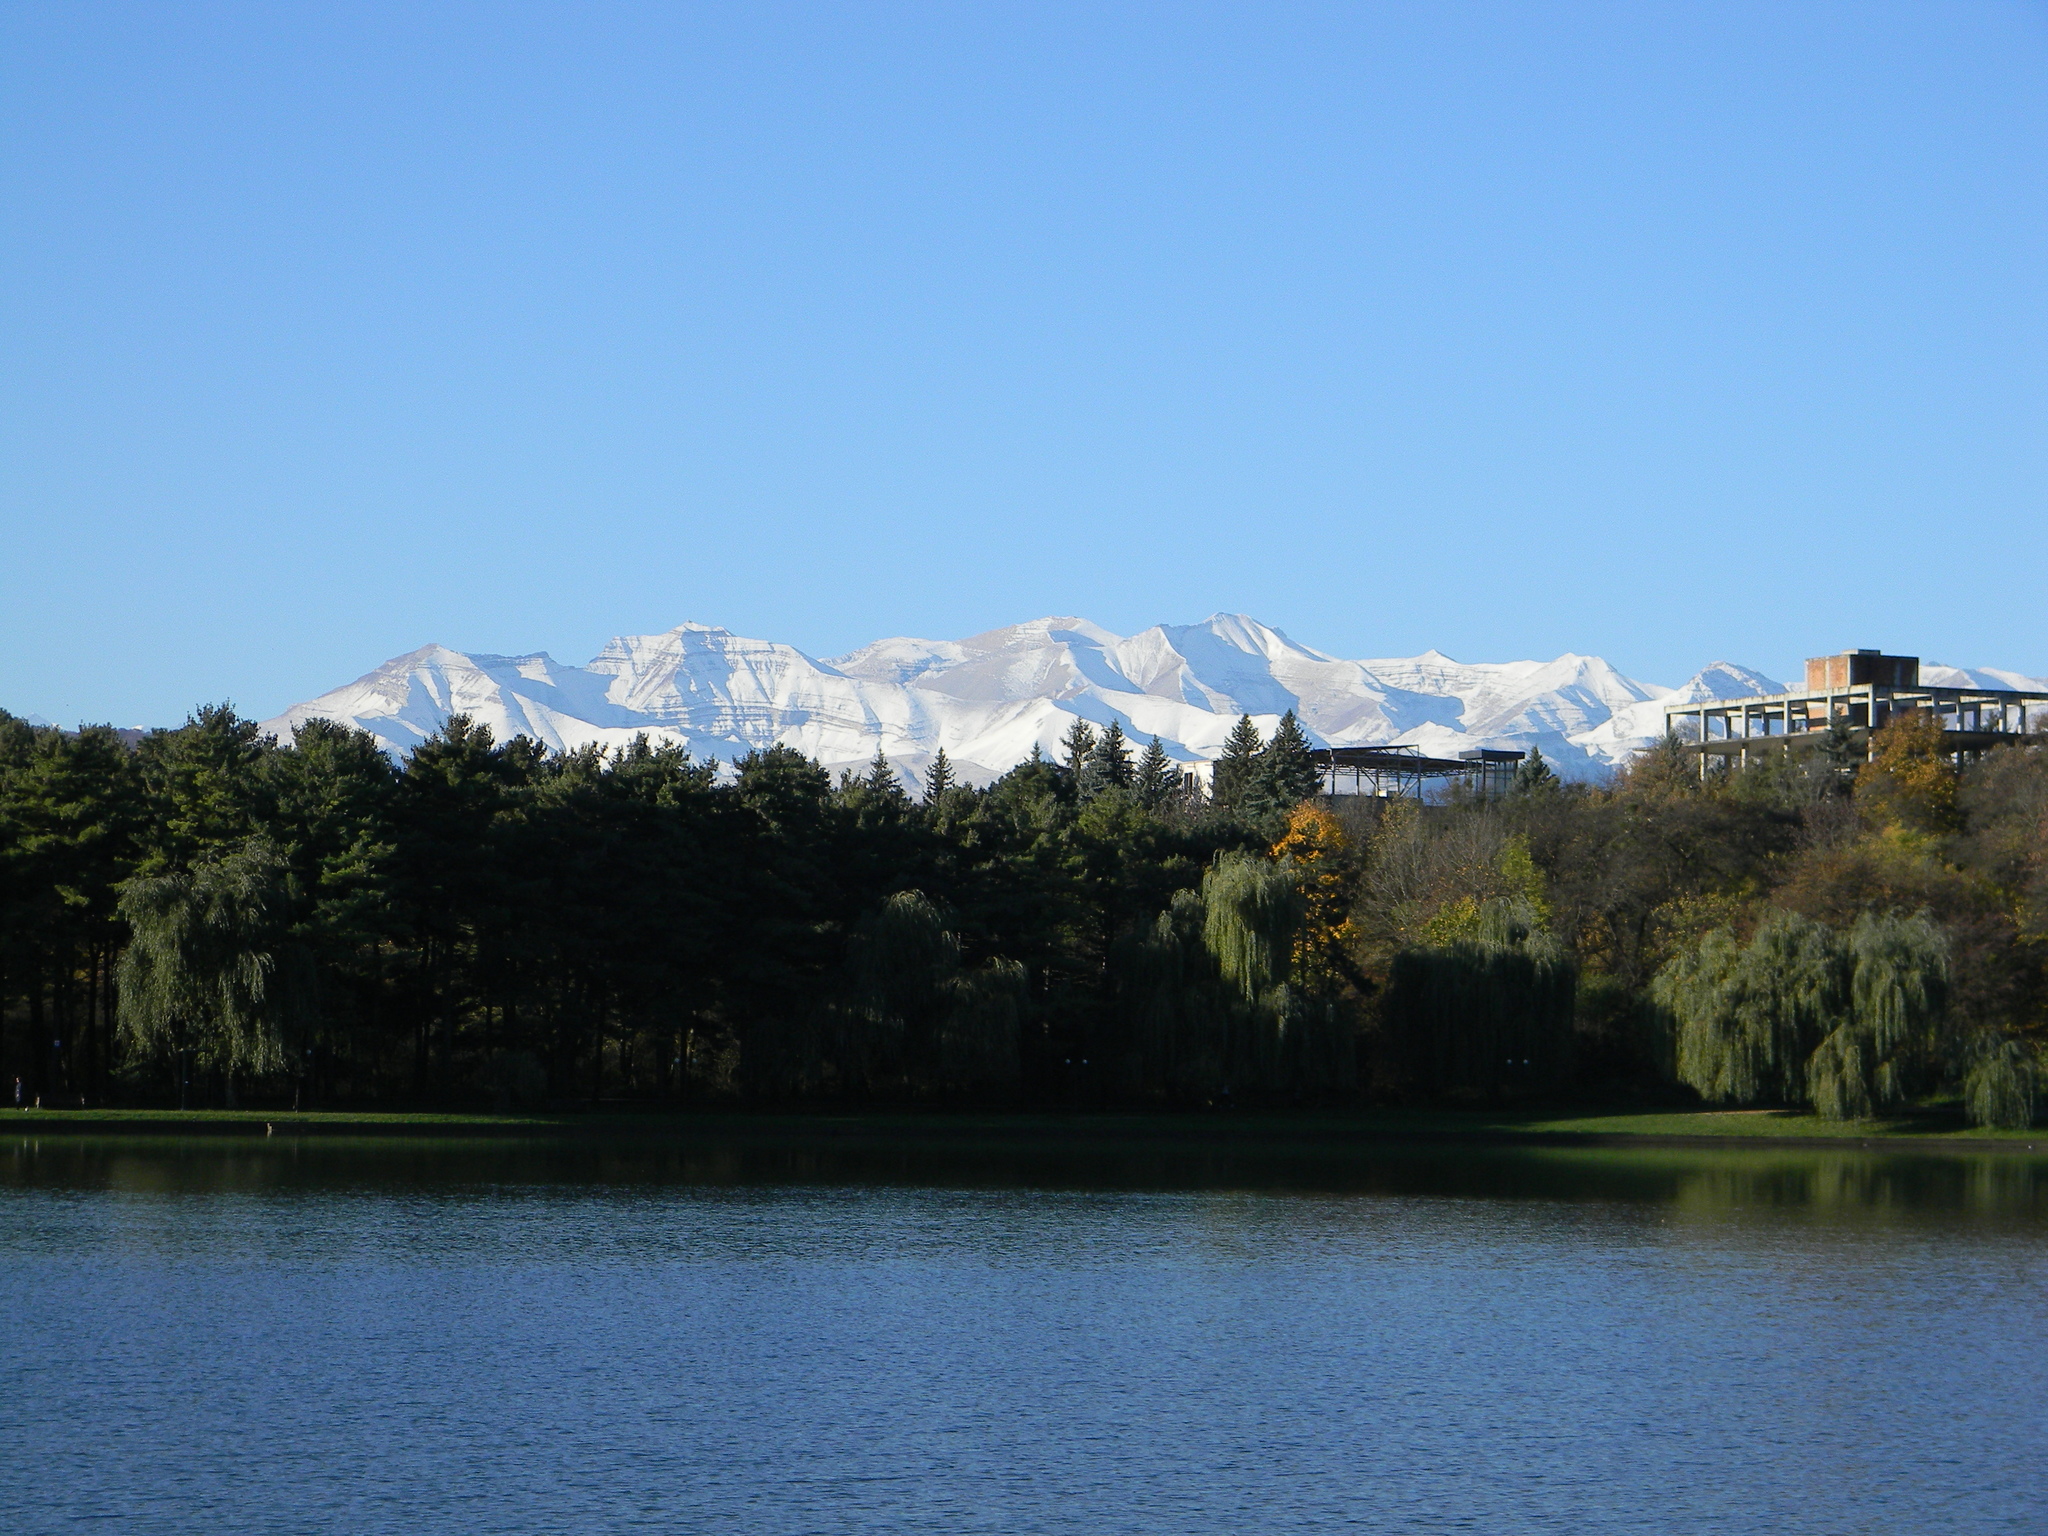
column 1488, row 1013
column 204, row 975
column 1805, row 1014
column 1748, row 1017
column 981, row 1028
column 2000, row 1085
column 1208, row 996
column 913, row 1020
column 1251, row 911
column 1872, row 1060
column 1178, row 1011
column 1286, row 1034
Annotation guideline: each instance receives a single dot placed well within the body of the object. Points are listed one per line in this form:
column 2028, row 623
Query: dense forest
column 208, row 916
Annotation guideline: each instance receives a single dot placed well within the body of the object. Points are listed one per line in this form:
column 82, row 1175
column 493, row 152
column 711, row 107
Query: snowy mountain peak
column 990, row 698
column 1937, row 676
column 1633, row 726
column 1245, row 633
column 1723, row 680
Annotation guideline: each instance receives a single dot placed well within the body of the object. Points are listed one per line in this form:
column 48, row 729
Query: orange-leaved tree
column 1327, row 877
column 1909, row 782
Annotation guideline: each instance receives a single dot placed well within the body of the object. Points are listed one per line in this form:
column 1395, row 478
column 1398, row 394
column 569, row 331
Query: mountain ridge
column 990, row 698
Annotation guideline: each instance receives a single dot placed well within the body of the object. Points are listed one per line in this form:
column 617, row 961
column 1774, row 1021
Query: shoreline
column 1762, row 1130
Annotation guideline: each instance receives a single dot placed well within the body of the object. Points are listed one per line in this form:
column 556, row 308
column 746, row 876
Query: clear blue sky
column 1666, row 332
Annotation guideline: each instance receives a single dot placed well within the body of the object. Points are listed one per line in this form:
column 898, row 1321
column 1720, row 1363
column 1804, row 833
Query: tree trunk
column 38, row 1034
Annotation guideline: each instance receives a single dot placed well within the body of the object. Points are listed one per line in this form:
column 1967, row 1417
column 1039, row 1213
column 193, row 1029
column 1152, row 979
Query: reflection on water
column 745, row 1335
column 1934, row 1186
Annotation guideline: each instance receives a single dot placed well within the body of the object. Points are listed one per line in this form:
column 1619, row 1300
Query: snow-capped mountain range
column 989, row 699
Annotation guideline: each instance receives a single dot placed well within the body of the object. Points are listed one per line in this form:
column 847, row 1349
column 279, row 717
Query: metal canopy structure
column 1491, row 770
column 1859, row 691
column 1387, row 772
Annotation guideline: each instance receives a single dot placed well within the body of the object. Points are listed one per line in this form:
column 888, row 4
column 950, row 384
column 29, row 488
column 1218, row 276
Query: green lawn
column 1767, row 1122
column 239, row 1119
column 1565, row 1126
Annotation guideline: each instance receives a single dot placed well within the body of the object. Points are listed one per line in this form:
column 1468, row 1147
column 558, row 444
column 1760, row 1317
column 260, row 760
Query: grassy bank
column 1754, row 1127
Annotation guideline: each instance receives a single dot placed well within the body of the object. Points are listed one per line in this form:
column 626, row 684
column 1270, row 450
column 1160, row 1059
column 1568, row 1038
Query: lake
column 216, row 1335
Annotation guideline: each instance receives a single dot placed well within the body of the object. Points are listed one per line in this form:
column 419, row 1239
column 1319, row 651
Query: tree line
column 210, row 916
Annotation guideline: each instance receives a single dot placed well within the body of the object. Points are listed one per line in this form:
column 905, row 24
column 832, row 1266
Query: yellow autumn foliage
column 1319, row 852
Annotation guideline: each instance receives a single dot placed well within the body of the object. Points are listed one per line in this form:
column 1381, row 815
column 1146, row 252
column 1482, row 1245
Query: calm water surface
column 460, row 1337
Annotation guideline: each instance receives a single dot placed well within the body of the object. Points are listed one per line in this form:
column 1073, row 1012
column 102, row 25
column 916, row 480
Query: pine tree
column 1533, row 775
column 1234, row 777
column 1839, row 755
column 1157, row 778
column 1288, row 773
column 1080, row 742
column 1080, row 746
column 202, row 784
column 1109, row 764
column 881, row 778
column 938, row 778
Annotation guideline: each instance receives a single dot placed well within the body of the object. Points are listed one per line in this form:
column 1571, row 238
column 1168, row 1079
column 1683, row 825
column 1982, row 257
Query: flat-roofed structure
column 1491, row 771
column 1389, row 772
column 1859, row 691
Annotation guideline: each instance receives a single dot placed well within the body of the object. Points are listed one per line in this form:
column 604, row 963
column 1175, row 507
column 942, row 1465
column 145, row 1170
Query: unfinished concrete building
column 1857, row 691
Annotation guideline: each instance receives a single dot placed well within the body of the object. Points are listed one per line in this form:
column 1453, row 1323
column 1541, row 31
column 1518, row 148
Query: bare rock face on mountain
column 990, row 698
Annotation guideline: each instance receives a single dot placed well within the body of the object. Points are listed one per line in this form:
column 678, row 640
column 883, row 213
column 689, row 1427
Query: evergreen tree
column 70, row 815
column 1157, row 778
column 1287, row 771
column 332, row 791
column 462, row 875
column 1533, row 775
column 783, row 873
column 938, row 778
column 1840, row 757
column 1109, row 763
column 203, row 786
column 1079, row 743
column 882, row 780
column 1234, row 779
